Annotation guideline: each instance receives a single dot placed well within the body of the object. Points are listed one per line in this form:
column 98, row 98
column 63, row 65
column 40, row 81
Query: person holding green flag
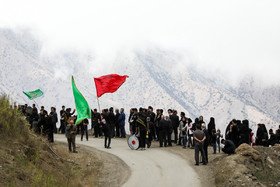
column 82, row 107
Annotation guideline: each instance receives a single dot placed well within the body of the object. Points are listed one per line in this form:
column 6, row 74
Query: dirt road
column 152, row 167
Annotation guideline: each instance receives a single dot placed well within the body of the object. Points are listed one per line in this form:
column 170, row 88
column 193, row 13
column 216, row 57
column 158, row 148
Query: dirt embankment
column 26, row 159
column 250, row 166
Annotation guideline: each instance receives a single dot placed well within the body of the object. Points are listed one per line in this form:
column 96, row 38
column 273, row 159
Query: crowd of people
column 168, row 130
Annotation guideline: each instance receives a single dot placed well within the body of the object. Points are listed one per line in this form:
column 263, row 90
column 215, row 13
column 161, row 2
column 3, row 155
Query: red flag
column 108, row 83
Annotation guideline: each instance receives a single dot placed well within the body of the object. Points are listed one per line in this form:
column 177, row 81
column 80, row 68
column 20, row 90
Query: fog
column 232, row 38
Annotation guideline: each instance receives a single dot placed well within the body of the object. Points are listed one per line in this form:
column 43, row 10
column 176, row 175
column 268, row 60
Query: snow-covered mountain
column 156, row 77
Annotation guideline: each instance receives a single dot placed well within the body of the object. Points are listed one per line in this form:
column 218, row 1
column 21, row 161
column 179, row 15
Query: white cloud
column 237, row 37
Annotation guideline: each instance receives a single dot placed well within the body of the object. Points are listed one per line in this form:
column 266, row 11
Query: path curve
column 149, row 168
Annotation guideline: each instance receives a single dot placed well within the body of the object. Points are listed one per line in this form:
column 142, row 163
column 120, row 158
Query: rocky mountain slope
column 157, row 77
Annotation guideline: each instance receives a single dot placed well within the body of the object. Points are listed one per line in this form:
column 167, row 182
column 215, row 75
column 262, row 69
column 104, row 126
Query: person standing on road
column 183, row 132
column 175, row 124
column 110, row 121
column 163, row 131
column 199, row 138
column 170, row 130
column 117, row 125
column 84, row 128
column 106, row 129
column 206, row 141
column 53, row 116
column 211, row 126
column 95, row 119
column 121, row 122
column 62, row 120
column 190, row 133
column 71, row 135
column 142, row 128
column 218, row 138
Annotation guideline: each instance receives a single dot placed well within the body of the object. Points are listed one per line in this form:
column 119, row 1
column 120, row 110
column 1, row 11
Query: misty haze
column 208, row 58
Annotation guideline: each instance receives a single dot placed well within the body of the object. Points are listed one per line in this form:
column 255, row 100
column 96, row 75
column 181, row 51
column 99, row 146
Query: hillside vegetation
column 26, row 160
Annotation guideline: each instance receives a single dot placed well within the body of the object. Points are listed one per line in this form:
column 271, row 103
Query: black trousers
column 169, row 139
column 107, row 138
column 228, row 151
column 79, row 128
column 162, row 138
column 205, row 147
column 108, row 135
column 50, row 135
column 152, row 133
column 84, row 130
column 62, row 127
column 96, row 129
column 157, row 132
column 142, row 139
column 117, row 130
column 199, row 148
column 180, row 141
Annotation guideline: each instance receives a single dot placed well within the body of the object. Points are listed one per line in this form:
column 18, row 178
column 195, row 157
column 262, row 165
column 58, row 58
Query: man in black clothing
column 142, row 128
column 42, row 123
column 133, row 122
column 43, row 108
column 49, row 128
column 273, row 138
column 34, row 120
column 34, row 108
column 111, row 121
column 62, row 127
column 106, row 128
column 175, row 124
column 170, row 130
column 157, row 120
column 95, row 120
column 229, row 147
column 84, row 128
column 163, row 131
column 206, row 141
column 117, row 125
column 152, row 116
column 53, row 116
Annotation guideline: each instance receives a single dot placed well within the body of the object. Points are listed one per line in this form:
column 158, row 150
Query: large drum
column 133, row 142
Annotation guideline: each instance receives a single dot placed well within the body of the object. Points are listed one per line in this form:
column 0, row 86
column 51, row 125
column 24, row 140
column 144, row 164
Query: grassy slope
column 26, row 161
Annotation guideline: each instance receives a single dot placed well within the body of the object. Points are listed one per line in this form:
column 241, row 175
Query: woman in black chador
column 211, row 126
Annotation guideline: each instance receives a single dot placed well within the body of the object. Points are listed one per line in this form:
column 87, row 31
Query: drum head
column 133, row 142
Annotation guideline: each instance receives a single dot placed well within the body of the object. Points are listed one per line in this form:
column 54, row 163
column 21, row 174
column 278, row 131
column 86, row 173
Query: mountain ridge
column 157, row 77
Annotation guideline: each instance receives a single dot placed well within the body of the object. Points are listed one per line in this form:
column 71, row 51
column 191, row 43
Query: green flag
column 34, row 94
column 83, row 110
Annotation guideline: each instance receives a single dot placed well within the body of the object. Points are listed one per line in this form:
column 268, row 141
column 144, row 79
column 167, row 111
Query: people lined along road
column 150, row 127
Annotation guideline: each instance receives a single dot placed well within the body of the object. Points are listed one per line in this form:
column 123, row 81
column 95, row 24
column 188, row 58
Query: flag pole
column 36, row 104
column 98, row 104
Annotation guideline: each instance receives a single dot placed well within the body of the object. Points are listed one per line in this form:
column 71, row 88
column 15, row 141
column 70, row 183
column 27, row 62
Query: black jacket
column 175, row 120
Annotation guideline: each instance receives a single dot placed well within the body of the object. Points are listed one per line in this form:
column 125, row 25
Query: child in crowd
column 218, row 137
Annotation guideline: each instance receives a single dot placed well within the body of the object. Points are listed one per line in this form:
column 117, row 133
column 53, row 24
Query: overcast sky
column 234, row 36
